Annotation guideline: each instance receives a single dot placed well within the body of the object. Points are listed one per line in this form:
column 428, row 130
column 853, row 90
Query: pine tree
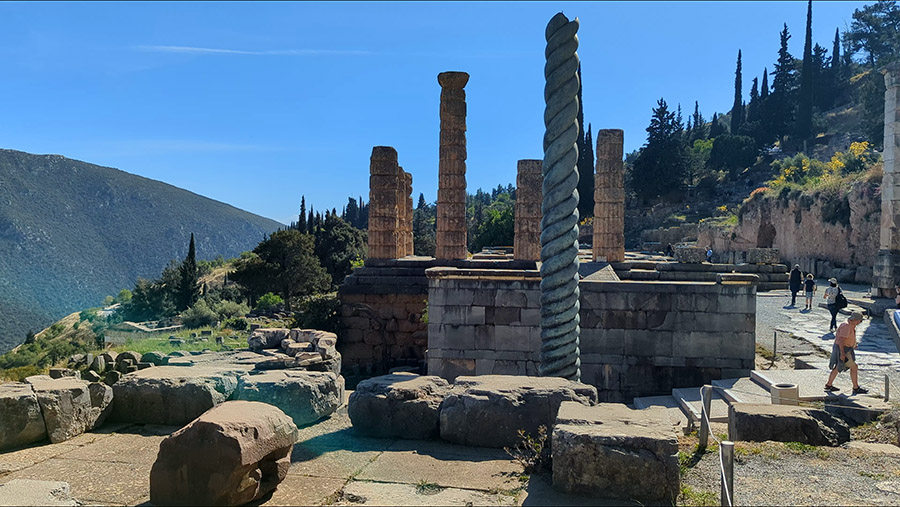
column 301, row 220
column 351, row 216
column 782, row 98
column 736, row 109
column 187, row 292
column 715, row 127
column 803, row 127
column 699, row 125
column 753, row 108
column 823, row 85
column 421, row 204
column 662, row 162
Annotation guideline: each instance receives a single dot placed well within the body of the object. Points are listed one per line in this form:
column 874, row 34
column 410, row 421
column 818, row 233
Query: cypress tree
column 715, row 127
column 836, row 56
column 699, row 129
column 585, row 162
column 803, row 127
column 310, row 222
column 764, row 87
column 783, row 84
column 301, row 220
column 753, row 108
column 736, row 109
column 187, row 293
column 421, row 204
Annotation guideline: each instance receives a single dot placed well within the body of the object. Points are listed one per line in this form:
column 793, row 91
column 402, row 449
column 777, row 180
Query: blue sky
column 254, row 104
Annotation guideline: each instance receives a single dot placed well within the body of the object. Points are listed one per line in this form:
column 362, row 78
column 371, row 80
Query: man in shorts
column 842, row 355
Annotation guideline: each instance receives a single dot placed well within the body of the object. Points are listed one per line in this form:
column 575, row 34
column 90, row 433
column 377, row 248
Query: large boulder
column 613, row 451
column 71, row 406
column 20, row 416
column 230, row 455
column 172, row 395
column 785, row 423
column 398, row 405
column 267, row 338
column 305, row 396
column 489, row 410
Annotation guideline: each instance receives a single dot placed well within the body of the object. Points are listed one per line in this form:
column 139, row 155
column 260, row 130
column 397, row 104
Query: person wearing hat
column 795, row 284
column 831, row 294
column 842, row 355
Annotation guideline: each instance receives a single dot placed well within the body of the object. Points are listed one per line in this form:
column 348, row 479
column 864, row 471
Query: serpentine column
column 609, row 197
column 451, row 203
column 559, row 225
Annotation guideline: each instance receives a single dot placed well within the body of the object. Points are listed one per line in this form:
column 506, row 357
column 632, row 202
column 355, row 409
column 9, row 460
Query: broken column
column 451, row 203
column 527, row 242
column 406, row 213
column 609, row 197
column 886, row 272
column 384, row 177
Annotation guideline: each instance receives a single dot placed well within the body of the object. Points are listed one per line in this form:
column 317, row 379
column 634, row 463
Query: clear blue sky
column 255, row 104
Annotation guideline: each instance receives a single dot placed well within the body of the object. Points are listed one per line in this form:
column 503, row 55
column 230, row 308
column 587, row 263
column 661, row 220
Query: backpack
column 840, row 301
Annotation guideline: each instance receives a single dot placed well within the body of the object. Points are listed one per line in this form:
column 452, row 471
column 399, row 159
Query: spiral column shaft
column 559, row 225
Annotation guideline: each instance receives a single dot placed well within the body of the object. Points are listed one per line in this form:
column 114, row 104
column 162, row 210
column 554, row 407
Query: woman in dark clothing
column 796, row 283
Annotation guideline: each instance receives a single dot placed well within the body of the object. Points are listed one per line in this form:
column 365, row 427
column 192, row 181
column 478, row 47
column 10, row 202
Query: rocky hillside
column 72, row 233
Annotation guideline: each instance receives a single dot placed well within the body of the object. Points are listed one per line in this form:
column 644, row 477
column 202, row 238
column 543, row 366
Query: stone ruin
column 886, row 271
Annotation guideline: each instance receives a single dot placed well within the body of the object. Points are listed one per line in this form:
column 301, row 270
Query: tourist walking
column 709, row 254
column 809, row 288
column 843, row 356
column 796, row 282
column 831, row 299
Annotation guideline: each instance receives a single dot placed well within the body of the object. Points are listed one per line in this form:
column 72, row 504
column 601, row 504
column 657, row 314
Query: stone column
column 384, row 176
column 406, row 216
column 609, row 197
column 451, row 203
column 527, row 242
column 886, row 271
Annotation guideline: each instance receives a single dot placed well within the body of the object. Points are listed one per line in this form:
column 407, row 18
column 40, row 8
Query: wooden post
column 887, row 388
column 726, row 450
column 706, row 399
column 774, row 347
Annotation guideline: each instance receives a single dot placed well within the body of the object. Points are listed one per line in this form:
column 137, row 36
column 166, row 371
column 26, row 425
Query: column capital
column 453, row 79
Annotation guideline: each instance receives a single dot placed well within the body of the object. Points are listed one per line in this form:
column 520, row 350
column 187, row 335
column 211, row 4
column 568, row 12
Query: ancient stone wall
column 637, row 338
column 825, row 236
column 527, row 241
column 609, row 197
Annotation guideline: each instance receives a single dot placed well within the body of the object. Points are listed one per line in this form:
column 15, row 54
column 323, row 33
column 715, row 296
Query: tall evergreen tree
column 715, row 127
column 737, row 115
column 311, row 221
column 698, row 131
column 753, row 107
column 351, row 216
column 301, row 220
column 803, row 126
column 189, row 276
column 421, row 204
column 836, row 56
column 823, row 85
column 584, row 163
column 764, row 86
column 782, row 98
column 662, row 162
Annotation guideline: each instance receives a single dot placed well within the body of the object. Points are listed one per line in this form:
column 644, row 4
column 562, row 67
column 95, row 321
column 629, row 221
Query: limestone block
column 785, row 423
column 690, row 254
column 230, row 455
column 267, row 338
column 71, row 406
column 488, row 410
column 64, row 372
column 134, row 357
column 99, row 364
column 305, row 396
column 157, row 358
column 398, row 405
column 763, row 256
column 20, row 416
column 611, row 450
column 173, row 395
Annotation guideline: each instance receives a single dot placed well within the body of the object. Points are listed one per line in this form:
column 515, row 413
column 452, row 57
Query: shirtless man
column 842, row 350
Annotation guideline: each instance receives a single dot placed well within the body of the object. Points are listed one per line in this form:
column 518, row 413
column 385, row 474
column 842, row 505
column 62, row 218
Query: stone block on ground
column 763, row 256
column 488, row 410
column 690, row 254
column 305, row 396
column 398, row 405
column 785, row 423
column 172, row 395
column 64, row 372
column 32, row 492
column 20, row 416
column 858, row 409
column 230, row 455
column 267, row 338
column 610, row 450
column 157, row 358
column 91, row 376
column 71, row 406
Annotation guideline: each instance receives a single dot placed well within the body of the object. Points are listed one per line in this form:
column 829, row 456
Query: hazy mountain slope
column 72, row 233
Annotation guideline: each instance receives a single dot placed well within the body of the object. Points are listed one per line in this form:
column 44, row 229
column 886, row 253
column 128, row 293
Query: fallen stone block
column 858, row 409
column 32, row 492
column 99, row 364
column 785, row 423
column 20, row 416
column 91, row 376
column 71, row 406
column 304, row 396
column 611, row 450
column 110, row 356
column 267, row 338
column 230, row 455
column 172, row 395
column 112, row 377
column 134, row 357
column 64, row 372
column 488, row 410
column 763, row 256
column 398, row 405
column 157, row 358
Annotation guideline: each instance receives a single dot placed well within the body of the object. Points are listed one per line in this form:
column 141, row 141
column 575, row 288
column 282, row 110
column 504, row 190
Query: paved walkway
column 330, row 465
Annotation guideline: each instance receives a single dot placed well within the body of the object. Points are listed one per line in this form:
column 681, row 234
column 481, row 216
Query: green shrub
column 230, row 310
column 268, row 300
column 237, row 323
column 199, row 315
column 321, row 312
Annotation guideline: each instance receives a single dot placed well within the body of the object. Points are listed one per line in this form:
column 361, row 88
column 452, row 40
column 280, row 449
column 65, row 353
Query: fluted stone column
column 406, row 214
column 609, row 197
column 527, row 242
column 886, row 271
column 451, row 203
column 384, row 177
